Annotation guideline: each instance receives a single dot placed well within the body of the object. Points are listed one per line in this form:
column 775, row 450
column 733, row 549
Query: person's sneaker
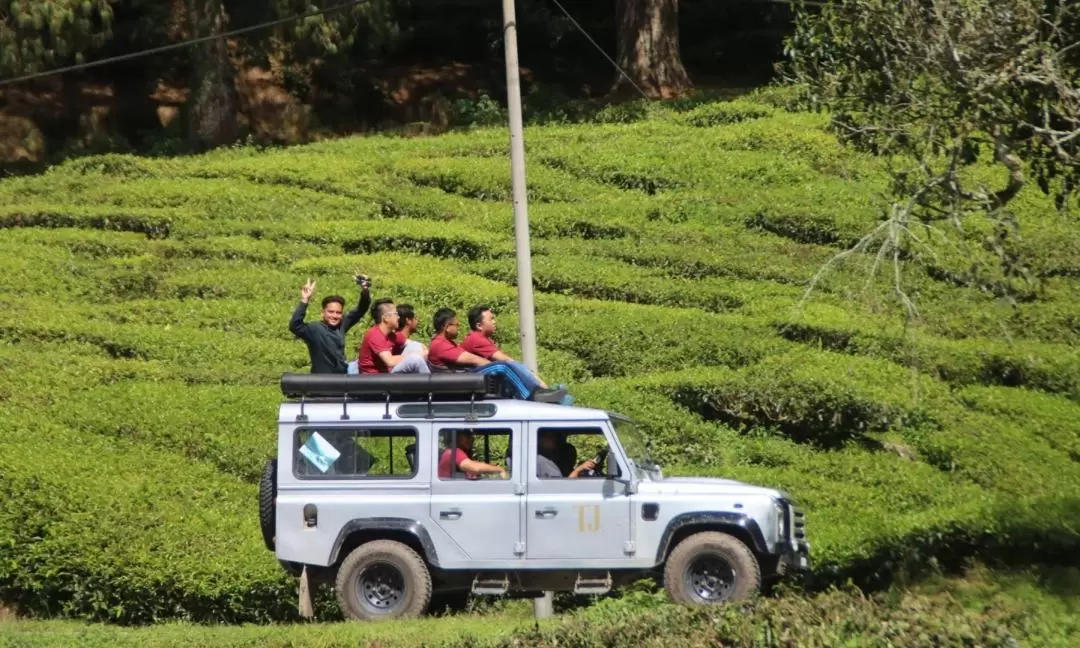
column 567, row 400
column 549, row 395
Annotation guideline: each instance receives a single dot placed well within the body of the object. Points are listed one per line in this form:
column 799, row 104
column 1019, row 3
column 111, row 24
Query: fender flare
column 740, row 523
column 406, row 525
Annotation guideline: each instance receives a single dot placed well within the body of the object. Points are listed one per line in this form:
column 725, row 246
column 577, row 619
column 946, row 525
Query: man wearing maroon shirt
column 478, row 344
column 444, row 351
column 380, row 351
column 461, row 461
column 407, row 326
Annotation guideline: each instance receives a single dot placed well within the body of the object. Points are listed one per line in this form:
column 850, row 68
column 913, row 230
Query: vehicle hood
column 702, row 486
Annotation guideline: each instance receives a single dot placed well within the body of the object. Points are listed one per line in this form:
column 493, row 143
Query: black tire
column 267, row 497
column 711, row 567
column 383, row 579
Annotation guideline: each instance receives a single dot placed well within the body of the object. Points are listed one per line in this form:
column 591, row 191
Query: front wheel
column 383, row 579
column 711, row 567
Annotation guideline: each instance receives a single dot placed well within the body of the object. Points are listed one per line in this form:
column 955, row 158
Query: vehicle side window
column 354, row 453
column 559, row 451
column 489, row 446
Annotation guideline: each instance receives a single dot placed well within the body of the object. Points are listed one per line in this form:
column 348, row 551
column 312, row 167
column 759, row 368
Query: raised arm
column 353, row 317
column 296, row 322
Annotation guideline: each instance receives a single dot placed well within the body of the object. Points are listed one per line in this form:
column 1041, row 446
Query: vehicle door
column 582, row 517
column 480, row 513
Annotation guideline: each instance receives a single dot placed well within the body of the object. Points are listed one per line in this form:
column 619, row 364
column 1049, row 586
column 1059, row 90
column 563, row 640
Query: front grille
column 799, row 524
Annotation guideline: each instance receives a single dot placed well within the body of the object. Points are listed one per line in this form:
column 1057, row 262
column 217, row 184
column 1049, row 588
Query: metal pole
column 542, row 606
column 527, row 323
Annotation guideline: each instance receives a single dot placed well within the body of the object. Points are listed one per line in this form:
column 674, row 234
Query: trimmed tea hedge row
column 152, row 223
column 722, row 253
column 230, row 427
column 618, row 339
column 611, row 280
column 1053, row 418
column 192, row 355
column 488, row 179
column 1051, row 367
column 106, row 529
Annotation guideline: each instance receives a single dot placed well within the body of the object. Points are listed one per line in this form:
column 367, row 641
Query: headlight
column 780, row 509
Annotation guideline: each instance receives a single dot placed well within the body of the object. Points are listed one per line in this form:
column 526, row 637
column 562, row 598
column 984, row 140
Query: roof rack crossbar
column 438, row 386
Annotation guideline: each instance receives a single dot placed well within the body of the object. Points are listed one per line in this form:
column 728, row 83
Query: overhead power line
column 598, row 48
column 182, row 44
column 812, row 3
column 311, row 14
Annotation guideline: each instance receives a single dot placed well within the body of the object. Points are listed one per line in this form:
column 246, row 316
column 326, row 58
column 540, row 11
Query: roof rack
column 380, row 387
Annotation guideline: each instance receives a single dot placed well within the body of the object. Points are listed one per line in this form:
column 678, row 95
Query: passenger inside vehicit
column 453, row 464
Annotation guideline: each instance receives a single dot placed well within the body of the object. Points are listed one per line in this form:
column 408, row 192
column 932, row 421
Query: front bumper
column 796, row 556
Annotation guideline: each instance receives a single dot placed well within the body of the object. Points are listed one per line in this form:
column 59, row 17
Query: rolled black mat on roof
column 462, row 385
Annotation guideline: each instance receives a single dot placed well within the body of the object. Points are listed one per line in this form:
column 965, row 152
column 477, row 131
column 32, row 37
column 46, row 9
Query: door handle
column 452, row 514
column 547, row 513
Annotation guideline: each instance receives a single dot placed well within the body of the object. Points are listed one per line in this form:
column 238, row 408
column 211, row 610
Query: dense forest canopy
column 368, row 65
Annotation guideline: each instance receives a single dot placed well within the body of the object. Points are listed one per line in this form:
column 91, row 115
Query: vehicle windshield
column 635, row 441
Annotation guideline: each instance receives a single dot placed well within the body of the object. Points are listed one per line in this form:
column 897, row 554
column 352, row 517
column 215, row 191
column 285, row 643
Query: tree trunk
column 648, row 48
column 212, row 102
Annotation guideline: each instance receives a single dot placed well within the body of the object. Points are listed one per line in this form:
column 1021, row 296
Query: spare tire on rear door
column 267, row 497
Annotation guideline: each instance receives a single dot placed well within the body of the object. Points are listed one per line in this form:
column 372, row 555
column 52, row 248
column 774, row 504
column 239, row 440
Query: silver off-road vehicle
column 374, row 489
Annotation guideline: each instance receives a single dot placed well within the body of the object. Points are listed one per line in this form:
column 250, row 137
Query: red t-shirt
column 445, row 467
column 374, row 343
column 399, row 342
column 479, row 344
column 444, row 353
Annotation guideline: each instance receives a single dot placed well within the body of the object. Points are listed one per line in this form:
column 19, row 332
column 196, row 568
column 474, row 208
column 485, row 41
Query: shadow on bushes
column 1008, row 536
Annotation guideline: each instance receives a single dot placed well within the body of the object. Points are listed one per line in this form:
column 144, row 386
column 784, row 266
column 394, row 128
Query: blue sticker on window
column 320, row 452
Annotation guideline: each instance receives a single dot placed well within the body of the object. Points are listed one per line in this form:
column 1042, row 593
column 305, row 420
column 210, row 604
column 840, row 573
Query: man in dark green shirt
column 325, row 339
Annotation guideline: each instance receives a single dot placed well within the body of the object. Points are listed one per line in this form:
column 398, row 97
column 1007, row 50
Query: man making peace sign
column 325, row 339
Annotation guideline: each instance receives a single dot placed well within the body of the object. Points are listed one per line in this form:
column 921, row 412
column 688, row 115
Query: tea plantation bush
column 143, row 328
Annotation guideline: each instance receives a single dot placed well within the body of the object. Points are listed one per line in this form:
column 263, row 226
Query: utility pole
column 543, row 606
column 527, row 323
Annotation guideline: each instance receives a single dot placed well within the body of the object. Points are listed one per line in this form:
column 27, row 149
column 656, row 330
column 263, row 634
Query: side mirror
column 611, row 469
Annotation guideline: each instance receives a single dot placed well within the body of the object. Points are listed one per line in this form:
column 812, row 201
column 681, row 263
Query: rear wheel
column 383, row 579
column 267, row 498
column 711, row 567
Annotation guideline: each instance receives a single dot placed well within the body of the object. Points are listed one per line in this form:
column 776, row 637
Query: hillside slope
column 144, row 303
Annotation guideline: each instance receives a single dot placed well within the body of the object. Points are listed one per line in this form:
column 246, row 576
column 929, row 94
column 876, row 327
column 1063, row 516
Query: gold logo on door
column 588, row 518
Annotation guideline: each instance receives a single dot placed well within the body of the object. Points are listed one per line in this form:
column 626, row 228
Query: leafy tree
column 935, row 86
column 647, row 47
column 213, row 102
column 40, row 34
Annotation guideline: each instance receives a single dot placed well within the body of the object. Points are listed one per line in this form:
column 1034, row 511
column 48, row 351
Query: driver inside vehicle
column 546, row 468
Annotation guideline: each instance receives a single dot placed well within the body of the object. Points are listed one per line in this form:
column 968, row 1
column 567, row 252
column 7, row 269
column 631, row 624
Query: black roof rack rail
column 381, row 387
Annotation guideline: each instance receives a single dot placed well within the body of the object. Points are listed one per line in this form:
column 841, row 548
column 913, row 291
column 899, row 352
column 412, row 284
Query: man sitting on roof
column 380, row 352
column 408, row 325
column 518, row 381
column 325, row 339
